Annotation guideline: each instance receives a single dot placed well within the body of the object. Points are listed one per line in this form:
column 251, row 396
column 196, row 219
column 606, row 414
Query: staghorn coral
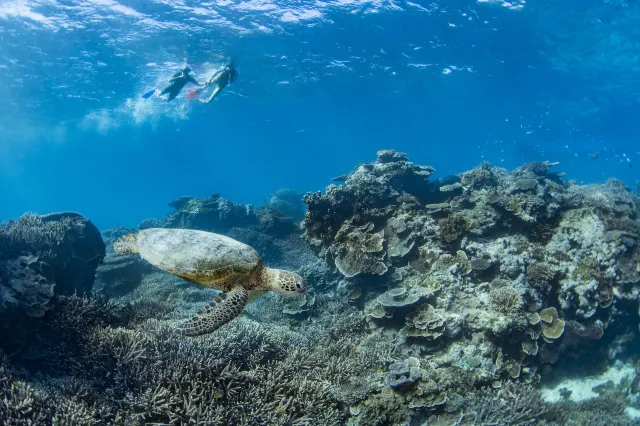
column 605, row 410
column 29, row 233
column 512, row 404
column 249, row 374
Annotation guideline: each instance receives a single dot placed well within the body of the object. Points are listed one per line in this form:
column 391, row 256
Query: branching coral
column 513, row 404
column 483, row 175
column 450, row 228
column 246, row 374
column 506, row 300
column 30, row 233
column 540, row 275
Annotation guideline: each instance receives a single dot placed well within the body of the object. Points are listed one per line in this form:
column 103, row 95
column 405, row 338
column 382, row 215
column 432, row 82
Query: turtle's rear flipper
column 222, row 309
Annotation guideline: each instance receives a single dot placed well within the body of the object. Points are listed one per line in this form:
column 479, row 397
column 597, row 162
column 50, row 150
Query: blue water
column 322, row 86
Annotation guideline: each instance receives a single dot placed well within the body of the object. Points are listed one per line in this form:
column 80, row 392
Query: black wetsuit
column 177, row 83
column 225, row 79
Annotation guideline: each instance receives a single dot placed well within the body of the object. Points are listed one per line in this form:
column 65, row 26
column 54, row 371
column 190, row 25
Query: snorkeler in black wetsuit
column 176, row 84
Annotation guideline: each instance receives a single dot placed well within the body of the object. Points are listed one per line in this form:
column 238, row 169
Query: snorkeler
column 221, row 78
column 176, row 84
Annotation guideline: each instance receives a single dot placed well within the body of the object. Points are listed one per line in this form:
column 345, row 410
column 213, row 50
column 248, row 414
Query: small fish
column 218, row 395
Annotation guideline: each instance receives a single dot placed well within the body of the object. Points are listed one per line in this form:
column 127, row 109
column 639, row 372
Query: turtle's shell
column 198, row 256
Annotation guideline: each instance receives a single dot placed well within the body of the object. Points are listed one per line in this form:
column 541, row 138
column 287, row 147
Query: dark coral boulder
column 43, row 256
column 77, row 253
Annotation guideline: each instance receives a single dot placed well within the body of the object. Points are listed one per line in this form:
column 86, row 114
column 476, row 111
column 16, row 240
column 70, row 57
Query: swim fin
column 149, row 94
column 192, row 94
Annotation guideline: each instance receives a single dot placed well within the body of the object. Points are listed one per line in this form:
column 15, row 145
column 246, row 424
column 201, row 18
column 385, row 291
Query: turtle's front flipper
column 222, row 309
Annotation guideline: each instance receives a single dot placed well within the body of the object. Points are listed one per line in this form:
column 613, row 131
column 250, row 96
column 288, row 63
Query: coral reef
column 433, row 302
column 43, row 256
column 249, row 374
column 522, row 263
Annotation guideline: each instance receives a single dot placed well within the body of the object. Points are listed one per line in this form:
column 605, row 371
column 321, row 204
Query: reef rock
column 288, row 202
column 356, row 223
column 43, row 256
column 214, row 214
column 522, row 262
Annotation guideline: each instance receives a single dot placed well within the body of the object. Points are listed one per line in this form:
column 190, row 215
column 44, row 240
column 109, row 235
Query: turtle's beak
column 300, row 284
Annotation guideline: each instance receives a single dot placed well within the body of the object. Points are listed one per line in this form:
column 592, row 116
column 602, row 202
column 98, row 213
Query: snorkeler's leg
column 213, row 95
column 166, row 90
column 172, row 95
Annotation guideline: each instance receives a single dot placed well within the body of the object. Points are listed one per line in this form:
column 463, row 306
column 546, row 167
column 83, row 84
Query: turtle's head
column 285, row 282
column 127, row 244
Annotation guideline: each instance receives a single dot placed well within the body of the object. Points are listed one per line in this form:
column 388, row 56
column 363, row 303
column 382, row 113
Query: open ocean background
column 323, row 85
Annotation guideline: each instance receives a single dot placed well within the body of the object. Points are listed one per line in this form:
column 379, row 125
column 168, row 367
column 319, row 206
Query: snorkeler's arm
column 193, row 80
column 175, row 76
column 215, row 77
column 213, row 95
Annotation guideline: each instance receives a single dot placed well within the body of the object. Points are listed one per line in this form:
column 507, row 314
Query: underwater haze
column 322, row 85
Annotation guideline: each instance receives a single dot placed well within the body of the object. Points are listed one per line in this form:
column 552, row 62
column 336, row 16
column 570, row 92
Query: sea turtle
column 213, row 261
